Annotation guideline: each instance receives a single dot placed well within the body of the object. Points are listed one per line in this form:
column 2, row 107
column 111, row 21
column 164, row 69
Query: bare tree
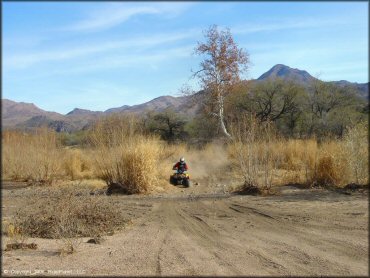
column 168, row 124
column 220, row 70
column 272, row 99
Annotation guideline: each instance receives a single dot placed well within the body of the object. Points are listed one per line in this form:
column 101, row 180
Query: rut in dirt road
column 192, row 245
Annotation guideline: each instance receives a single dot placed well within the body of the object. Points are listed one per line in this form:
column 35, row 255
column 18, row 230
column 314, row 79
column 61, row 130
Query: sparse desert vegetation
column 75, row 196
column 278, row 169
column 139, row 162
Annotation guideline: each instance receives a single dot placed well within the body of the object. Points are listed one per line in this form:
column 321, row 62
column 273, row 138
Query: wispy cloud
column 284, row 25
column 110, row 61
column 22, row 41
column 115, row 14
column 26, row 60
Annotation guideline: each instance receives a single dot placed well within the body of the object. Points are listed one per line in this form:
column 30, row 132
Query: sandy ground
column 192, row 232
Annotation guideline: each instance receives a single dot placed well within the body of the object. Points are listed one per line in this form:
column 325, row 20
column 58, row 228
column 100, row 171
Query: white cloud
column 123, row 60
column 284, row 25
column 115, row 14
column 130, row 61
column 109, row 19
column 22, row 61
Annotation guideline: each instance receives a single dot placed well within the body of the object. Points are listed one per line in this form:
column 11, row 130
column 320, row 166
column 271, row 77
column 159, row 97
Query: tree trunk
column 221, row 115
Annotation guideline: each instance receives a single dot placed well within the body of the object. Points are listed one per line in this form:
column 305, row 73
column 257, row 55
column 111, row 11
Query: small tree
column 168, row 124
column 272, row 100
column 220, row 70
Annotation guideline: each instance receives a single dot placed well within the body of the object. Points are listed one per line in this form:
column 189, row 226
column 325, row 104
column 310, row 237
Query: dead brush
column 132, row 166
column 309, row 160
column 16, row 237
column 31, row 156
column 251, row 152
column 291, row 152
column 356, row 147
column 68, row 217
column 15, row 233
column 78, row 164
column 331, row 167
column 126, row 160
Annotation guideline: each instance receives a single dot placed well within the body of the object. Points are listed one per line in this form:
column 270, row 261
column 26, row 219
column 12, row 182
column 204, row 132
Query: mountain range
column 28, row 115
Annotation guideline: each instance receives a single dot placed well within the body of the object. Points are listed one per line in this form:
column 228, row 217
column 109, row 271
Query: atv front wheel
column 173, row 181
column 186, row 183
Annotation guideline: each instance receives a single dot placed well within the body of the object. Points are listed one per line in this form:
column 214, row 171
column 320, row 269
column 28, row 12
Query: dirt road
column 300, row 232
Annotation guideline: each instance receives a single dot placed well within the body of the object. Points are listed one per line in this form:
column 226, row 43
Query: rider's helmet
column 182, row 160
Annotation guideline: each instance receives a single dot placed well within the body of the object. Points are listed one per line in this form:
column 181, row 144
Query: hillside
column 15, row 113
column 28, row 115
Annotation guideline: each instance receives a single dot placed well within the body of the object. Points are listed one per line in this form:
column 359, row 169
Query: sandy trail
column 297, row 233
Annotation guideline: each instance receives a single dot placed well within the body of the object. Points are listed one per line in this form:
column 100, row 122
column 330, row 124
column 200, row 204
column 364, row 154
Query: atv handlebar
column 179, row 172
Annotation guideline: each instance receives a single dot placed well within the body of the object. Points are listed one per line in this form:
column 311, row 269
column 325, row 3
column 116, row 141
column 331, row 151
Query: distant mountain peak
column 79, row 111
column 286, row 72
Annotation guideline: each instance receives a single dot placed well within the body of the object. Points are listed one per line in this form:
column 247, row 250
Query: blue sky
column 99, row 55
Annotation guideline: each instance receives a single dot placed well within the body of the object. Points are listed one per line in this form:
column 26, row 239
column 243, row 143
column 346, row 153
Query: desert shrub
column 125, row 158
column 74, row 138
column 357, row 153
column 78, row 164
column 111, row 131
column 66, row 216
column 251, row 152
column 13, row 232
column 132, row 166
column 326, row 173
column 31, row 156
column 338, row 162
column 291, row 152
column 309, row 159
column 257, row 153
column 331, row 164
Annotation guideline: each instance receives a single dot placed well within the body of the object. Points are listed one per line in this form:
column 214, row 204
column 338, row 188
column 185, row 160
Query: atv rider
column 180, row 166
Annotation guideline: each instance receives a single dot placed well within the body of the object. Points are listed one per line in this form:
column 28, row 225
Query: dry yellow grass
column 125, row 158
column 120, row 154
column 78, row 164
column 261, row 158
column 356, row 147
column 31, row 156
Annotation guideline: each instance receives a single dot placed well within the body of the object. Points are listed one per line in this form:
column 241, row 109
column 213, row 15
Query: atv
column 180, row 178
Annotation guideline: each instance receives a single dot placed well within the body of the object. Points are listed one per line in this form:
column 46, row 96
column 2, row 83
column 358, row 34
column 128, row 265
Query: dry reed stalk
column 126, row 159
column 31, row 156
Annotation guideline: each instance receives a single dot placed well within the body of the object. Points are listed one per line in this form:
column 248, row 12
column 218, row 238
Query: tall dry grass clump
column 125, row 159
column 78, row 164
column 337, row 162
column 356, row 146
column 32, row 156
column 252, row 152
column 330, row 167
column 331, row 162
column 263, row 159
